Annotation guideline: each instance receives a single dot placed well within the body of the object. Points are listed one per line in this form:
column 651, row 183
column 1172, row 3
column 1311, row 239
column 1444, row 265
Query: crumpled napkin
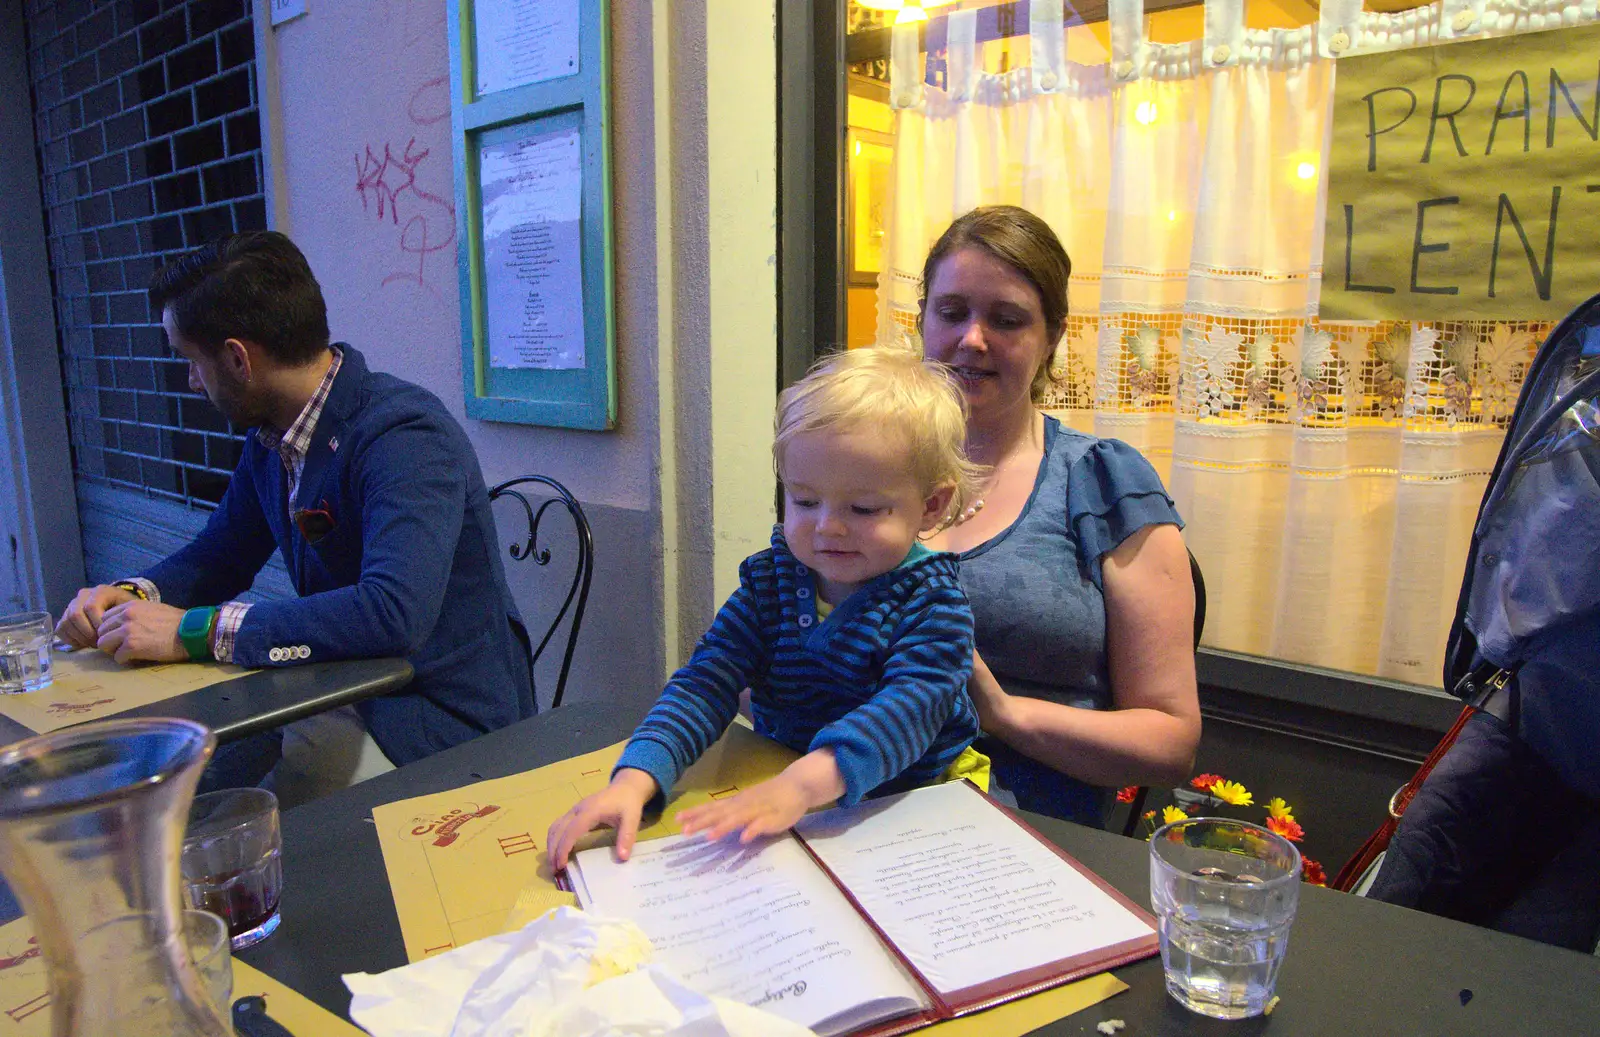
column 565, row 974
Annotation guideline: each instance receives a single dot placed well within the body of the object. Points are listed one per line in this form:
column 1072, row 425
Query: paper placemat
column 24, row 992
column 90, row 685
column 466, row 864
column 457, row 860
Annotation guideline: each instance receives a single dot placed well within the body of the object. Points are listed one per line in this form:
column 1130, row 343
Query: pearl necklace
column 968, row 512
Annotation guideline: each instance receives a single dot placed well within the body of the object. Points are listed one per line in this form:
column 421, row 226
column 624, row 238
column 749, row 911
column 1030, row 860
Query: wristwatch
column 194, row 630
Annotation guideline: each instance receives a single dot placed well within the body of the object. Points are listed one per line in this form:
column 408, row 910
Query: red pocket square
column 314, row 523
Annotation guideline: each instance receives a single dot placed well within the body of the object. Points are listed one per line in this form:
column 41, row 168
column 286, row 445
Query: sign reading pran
column 1464, row 180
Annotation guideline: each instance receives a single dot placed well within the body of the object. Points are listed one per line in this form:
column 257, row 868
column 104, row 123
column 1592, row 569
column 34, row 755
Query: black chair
column 582, row 572
column 1137, row 807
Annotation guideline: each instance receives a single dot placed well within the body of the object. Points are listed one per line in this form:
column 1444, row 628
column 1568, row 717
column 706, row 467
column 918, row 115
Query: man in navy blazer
column 363, row 483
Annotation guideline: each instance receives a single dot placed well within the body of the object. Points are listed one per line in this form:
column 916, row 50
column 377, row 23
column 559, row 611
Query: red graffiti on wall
column 387, row 182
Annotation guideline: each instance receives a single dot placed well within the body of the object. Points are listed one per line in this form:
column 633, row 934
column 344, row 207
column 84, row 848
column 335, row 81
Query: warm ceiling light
column 881, row 5
column 1306, row 170
column 910, row 13
column 1145, row 112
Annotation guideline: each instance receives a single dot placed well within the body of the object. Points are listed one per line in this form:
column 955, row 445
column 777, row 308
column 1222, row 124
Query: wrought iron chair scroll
column 1137, row 806
column 577, row 598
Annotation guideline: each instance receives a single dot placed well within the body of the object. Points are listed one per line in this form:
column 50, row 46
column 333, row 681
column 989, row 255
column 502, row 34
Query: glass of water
column 1225, row 894
column 25, row 640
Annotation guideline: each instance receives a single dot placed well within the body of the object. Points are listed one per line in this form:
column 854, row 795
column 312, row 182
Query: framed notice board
column 533, row 209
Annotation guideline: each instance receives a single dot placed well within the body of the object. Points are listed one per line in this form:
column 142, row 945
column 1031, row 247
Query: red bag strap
column 1378, row 841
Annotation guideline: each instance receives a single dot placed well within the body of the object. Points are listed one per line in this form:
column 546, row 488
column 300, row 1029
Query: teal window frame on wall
column 583, row 398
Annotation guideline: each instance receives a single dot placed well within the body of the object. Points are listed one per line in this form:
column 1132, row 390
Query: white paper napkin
column 557, row 976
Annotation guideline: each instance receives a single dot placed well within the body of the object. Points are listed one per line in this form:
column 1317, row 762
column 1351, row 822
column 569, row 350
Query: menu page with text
column 962, row 890
column 760, row 924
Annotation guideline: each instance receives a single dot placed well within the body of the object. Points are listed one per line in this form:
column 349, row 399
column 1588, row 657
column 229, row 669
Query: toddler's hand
column 619, row 805
column 772, row 806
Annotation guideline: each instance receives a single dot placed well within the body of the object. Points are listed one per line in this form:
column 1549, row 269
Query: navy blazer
column 411, row 566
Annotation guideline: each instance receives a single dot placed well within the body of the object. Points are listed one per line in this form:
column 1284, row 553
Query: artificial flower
column 1149, row 814
column 1287, row 827
column 1126, row 795
column 1203, row 782
column 1232, row 792
column 1171, row 814
column 1277, row 808
column 1312, row 872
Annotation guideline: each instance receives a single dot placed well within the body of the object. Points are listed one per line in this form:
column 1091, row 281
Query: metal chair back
column 577, row 598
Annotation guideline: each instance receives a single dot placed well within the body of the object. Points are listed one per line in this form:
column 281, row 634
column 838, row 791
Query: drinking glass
column 207, row 937
column 25, row 640
column 1225, row 894
column 232, row 861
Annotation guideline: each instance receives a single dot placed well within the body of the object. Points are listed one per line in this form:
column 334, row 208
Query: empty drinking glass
column 232, row 861
column 209, row 949
column 1225, row 894
column 25, row 640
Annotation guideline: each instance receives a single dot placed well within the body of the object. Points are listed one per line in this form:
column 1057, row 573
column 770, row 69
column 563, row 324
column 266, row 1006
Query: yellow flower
column 1277, row 808
column 1232, row 792
column 1171, row 814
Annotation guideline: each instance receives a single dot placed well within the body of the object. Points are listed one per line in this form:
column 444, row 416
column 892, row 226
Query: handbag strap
column 1378, row 841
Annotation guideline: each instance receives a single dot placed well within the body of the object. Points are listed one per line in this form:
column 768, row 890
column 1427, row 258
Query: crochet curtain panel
column 1329, row 472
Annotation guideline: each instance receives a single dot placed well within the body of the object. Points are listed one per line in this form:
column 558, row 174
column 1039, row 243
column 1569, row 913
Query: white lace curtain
column 1329, row 472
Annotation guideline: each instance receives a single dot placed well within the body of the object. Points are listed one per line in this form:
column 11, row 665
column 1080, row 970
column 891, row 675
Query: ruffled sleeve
column 1112, row 493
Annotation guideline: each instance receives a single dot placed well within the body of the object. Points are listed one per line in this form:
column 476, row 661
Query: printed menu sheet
column 25, row 997
column 90, row 685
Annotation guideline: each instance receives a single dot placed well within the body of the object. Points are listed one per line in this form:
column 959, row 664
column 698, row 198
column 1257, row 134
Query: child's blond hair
column 886, row 390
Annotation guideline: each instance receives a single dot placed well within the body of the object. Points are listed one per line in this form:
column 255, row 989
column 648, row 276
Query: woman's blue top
column 1037, row 599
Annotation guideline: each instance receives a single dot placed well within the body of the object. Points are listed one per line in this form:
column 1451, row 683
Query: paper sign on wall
column 533, row 258
column 1464, row 180
column 284, row 10
column 525, row 41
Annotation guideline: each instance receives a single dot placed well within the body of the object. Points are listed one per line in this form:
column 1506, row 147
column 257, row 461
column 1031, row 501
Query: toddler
column 854, row 639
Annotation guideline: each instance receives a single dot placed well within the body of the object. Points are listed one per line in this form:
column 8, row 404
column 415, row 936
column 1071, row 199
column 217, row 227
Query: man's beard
column 237, row 403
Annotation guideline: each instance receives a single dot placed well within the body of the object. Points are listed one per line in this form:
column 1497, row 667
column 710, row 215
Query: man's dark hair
column 256, row 287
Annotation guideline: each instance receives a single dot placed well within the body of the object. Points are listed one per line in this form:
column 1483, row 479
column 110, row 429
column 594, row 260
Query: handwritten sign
column 1464, row 180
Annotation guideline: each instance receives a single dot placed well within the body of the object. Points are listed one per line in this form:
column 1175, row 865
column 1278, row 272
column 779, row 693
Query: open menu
column 878, row 918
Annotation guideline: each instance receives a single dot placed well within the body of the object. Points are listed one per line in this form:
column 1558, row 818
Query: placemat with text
column 90, row 685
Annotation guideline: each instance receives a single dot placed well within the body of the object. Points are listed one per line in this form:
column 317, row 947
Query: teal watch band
column 194, row 630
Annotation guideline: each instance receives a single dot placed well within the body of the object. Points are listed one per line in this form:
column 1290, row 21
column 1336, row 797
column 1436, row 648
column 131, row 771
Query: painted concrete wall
column 358, row 127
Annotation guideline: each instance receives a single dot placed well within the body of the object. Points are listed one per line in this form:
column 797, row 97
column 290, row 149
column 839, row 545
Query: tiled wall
column 149, row 143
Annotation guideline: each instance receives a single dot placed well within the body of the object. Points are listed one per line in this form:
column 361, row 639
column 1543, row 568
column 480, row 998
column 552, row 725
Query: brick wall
column 149, row 143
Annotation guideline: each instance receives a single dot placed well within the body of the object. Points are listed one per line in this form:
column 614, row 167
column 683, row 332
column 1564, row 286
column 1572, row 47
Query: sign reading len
column 1464, row 181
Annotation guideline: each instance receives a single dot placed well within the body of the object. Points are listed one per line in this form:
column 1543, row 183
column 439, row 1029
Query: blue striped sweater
column 882, row 680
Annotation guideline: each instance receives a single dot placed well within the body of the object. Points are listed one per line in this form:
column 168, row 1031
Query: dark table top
column 266, row 699
column 1354, row 966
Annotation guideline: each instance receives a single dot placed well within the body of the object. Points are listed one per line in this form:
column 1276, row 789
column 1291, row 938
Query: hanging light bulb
column 911, row 13
column 1145, row 112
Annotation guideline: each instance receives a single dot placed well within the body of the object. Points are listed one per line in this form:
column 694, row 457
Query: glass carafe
column 91, row 826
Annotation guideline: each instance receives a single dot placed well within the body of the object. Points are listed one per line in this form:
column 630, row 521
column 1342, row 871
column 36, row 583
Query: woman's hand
column 772, row 806
column 619, row 805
